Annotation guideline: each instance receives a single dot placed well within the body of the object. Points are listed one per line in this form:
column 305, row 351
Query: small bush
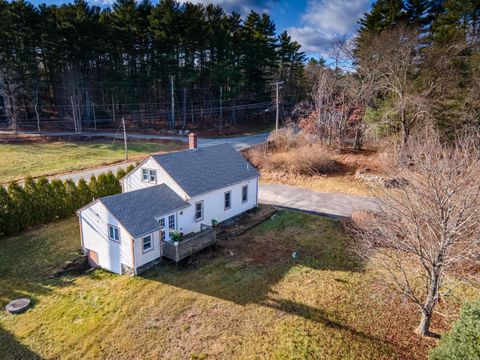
column 463, row 341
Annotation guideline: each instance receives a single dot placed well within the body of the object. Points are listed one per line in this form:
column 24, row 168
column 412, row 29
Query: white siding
column 134, row 180
column 143, row 258
column 213, row 206
column 94, row 225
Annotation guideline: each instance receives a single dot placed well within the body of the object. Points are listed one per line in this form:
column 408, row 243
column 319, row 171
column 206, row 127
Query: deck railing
column 190, row 244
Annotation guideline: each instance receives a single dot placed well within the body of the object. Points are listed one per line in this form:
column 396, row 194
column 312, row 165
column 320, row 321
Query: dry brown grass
column 342, row 184
column 296, row 159
column 305, row 160
column 287, row 139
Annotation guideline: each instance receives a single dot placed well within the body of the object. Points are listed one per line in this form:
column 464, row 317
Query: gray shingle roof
column 136, row 210
column 201, row 170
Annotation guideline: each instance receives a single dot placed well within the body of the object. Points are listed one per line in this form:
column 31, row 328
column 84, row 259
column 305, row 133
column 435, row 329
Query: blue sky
column 313, row 23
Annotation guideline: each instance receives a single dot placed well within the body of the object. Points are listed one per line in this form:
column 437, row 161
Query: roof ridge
column 135, row 191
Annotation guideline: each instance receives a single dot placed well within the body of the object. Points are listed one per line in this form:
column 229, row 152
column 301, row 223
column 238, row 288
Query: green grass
column 18, row 161
column 246, row 298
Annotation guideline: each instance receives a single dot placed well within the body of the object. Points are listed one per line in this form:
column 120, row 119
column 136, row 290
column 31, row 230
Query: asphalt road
column 329, row 204
column 239, row 142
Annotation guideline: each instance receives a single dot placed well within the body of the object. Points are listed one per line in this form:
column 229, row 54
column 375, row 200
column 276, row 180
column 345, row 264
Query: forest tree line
column 168, row 65
column 411, row 62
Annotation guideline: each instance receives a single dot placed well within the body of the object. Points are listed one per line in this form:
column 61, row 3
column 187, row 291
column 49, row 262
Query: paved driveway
column 331, row 204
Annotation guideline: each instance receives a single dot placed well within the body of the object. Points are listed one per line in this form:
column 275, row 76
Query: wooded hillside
column 412, row 62
column 79, row 66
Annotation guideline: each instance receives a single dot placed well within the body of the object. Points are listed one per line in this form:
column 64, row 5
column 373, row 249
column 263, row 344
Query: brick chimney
column 192, row 141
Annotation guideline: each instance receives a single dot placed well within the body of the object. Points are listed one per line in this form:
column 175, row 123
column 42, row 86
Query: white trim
column 246, row 197
column 149, row 175
column 152, row 246
column 229, row 192
column 110, row 226
column 226, row 186
column 202, row 211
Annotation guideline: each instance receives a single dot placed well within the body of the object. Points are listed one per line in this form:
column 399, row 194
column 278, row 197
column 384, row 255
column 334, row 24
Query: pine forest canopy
column 83, row 66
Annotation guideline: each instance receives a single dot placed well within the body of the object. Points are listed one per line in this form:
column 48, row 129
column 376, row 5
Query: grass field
column 246, row 298
column 18, row 161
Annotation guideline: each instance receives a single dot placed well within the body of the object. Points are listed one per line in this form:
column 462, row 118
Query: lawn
column 18, row 161
column 245, row 298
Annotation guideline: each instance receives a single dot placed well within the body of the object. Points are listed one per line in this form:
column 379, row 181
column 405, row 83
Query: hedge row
column 40, row 201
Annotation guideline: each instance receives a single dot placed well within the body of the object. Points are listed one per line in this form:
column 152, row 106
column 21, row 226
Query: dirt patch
column 77, row 266
column 233, row 238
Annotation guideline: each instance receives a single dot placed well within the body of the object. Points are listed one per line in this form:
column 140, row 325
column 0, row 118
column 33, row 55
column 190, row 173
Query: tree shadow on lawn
column 12, row 348
column 28, row 260
column 244, row 270
column 320, row 316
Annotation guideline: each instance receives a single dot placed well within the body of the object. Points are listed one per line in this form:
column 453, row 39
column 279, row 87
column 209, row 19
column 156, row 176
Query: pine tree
column 85, row 195
column 59, row 198
column 20, row 219
column 6, row 212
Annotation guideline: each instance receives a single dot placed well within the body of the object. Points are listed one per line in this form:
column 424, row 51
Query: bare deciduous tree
column 391, row 60
column 426, row 233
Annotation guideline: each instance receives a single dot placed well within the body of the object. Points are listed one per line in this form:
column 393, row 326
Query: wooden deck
column 190, row 244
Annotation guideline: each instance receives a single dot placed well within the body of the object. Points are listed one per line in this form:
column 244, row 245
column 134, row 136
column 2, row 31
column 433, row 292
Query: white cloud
column 242, row 7
column 326, row 20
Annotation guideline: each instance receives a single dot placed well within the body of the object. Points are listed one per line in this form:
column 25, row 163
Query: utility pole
column 125, row 138
column 73, row 114
column 94, row 117
column 113, row 112
column 277, row 87
column 172, row 99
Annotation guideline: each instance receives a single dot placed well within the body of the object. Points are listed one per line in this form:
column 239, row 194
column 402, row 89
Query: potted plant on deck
column 176, row 237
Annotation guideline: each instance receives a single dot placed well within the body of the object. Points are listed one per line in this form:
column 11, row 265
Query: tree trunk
column 430, row 301
column 405, row 126
column 424, row 326
column 357, row 146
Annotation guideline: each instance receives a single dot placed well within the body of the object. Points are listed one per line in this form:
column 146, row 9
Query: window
column 162, row 223
column 153, row 175
column 228, row 200
column 162, row 235
column 113, row 233
column 149, row 175
column 244, row 193
column 199, row 211
column 147, row 243
column 171, row 222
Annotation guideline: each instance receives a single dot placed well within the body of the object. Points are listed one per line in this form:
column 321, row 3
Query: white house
column 167, row 193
